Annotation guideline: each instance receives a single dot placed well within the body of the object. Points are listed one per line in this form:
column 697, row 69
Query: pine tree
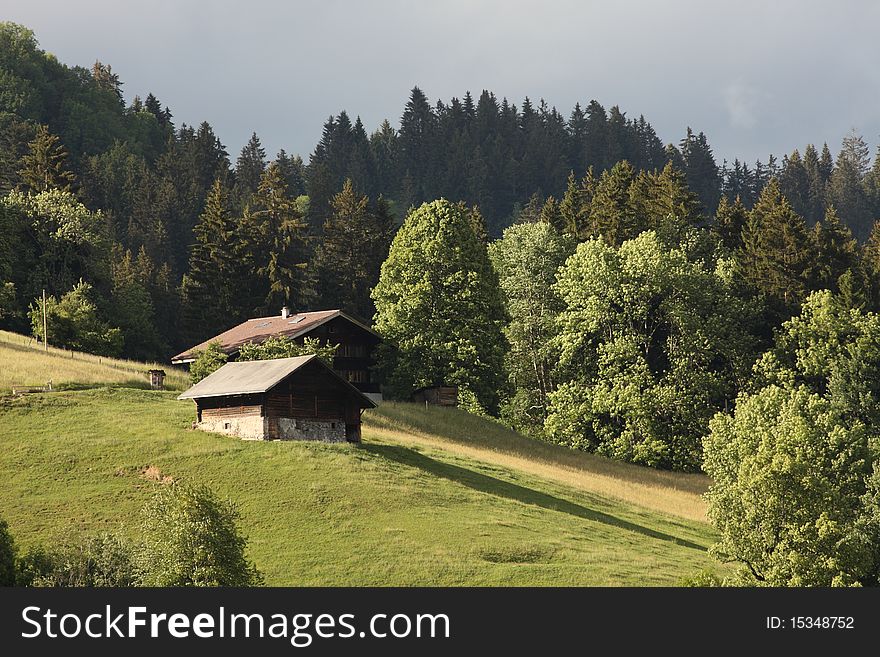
column 213, row 288
column 550, row 214
column 670, row 197
column 826, row 164
column 249, row 168
column 44, row 167
column 816, row 186
column 574, row 207
column 355, row 243
column 776, row 256
column 702, row 173
column 293, row 170
column 282, row 243
column 107, row 80
column 132, row 306
column 794, row 183
column 611, row 212
column 730, row 219
column 847, row 189
column 837, row 252
column 383, row 143
column 417, row 147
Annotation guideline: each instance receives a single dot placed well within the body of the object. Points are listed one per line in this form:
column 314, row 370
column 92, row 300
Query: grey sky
column 757, row 77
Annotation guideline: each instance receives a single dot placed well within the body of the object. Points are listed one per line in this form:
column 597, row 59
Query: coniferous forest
column 577, row 276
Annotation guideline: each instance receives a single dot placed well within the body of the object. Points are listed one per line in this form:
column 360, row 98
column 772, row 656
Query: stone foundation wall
column 331, row 431
column 248, row 427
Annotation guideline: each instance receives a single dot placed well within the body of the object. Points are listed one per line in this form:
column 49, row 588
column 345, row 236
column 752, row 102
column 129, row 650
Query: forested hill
column 168, row 238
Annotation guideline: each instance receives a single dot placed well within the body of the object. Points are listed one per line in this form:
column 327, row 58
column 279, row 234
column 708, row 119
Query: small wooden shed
column 299, row 398
column 157, row 379
column 437, row 396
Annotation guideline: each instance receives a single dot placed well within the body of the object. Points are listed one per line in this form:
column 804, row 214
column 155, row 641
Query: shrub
column 207, row 362
column 190, row 538
column 104, row 560
column 7, row 556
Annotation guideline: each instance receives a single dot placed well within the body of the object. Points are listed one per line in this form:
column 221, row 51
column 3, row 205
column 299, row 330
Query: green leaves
column 74, row 323
column 190, row 538
column 650, row 345
column 207, row 361
column 284, row 347
column 439, row 307
column 789, row 473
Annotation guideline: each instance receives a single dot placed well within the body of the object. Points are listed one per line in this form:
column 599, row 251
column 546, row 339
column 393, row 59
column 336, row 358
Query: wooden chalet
column 299, row 398
column 354, row 357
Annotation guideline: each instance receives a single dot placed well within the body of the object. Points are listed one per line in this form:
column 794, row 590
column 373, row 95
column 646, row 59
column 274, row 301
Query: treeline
column 649, row 340
column 173, row 241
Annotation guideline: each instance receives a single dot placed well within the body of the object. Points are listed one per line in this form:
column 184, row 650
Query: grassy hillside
column 23, row 362
column 403, row 508
column 432, row 497
column 460, row 433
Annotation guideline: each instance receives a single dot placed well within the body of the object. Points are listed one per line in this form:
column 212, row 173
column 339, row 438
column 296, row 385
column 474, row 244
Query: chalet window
column 356, row 376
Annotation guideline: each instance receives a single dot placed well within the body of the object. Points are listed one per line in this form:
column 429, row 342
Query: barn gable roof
column 259, row 376
column 261, row 329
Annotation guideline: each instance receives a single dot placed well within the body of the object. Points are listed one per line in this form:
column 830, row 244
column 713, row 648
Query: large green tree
column 789, row 478
column 439, row 307
column 651, row 344
column 527, row 258
column 776, row 257
column 796, row 492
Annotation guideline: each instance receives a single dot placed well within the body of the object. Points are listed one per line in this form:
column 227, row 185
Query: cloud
column 742, row 102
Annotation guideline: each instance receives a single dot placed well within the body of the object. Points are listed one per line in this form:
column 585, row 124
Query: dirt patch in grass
column 153, row 473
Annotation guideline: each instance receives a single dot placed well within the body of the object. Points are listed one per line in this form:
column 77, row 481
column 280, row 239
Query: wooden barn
column 354, row 358
column 298, row 398
column 436, row 396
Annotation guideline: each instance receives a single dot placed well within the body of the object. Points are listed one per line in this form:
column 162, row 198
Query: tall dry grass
column 24, row 362
column 458, row 432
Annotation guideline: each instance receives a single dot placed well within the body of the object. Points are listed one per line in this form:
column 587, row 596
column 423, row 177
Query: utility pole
column 45, row 324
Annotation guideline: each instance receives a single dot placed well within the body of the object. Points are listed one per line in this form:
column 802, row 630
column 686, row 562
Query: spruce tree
column 837, row 252
column 355, row 243
column 132, row 306
column 816, row 186
column 611, row 215
column 44, row 167
column 700, row 169
column 282, row 243
column 550, row 215
column 213, row 288
column 847, row 189
column 730, row 219
column 670, row 196
column 249, row 168
column 777, row 252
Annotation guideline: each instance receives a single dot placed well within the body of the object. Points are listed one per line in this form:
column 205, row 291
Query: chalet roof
column 259, row 376
column 261, row 329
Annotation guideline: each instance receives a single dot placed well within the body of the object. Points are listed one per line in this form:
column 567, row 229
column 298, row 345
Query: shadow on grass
column 499, row 487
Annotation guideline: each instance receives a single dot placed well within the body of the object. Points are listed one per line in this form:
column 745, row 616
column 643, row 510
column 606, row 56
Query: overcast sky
column 756, row 77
